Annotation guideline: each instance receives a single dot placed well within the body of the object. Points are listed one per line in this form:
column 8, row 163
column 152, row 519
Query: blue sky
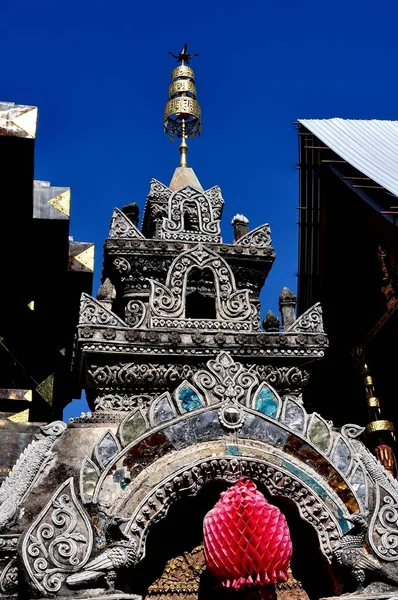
column 99, row 73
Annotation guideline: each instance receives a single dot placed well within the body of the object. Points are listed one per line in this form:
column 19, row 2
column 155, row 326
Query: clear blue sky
column 99, row 73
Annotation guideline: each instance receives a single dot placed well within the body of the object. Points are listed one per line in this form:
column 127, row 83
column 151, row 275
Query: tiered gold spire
column 182, row 113
column 380, row 432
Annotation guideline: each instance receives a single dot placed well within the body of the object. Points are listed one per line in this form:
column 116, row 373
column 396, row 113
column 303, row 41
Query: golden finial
column 182, row 112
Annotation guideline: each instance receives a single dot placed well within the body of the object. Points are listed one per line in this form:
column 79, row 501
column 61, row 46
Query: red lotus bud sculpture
column 246, row 539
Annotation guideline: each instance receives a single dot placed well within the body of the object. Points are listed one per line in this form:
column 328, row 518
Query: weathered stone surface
column 182, row 177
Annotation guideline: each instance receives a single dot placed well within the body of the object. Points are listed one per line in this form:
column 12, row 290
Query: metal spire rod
column 183, row 146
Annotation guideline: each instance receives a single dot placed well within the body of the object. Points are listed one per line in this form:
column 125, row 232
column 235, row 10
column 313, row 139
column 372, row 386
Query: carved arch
column 168, row 301
column 186, row 476
column 203, row 206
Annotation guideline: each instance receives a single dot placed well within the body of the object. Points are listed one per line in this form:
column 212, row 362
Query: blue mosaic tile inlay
column 189, row 398
column 267, row 402
column 318, row 489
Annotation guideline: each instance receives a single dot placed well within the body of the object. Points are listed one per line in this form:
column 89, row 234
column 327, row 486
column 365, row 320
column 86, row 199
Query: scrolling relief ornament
column 58, row 543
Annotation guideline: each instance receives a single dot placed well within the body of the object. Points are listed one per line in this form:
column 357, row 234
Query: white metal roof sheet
column 369, row 146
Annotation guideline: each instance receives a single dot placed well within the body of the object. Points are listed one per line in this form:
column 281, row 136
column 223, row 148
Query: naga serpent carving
column 24, row 473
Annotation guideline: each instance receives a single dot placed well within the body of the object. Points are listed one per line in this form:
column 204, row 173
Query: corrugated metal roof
column 369, row 146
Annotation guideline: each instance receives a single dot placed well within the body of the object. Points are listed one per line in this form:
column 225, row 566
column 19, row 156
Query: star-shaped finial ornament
column 183, row 56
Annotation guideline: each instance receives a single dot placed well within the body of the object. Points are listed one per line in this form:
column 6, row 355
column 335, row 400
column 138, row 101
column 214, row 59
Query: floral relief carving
column 135, row 312
column 86, row 332
column 122, row 227
column 93, row 312
column 121, row 265
column 198, row 337
column 120, row 402
column 384, row 525
column 159, row 191
column 174, row 338
column 257, row 238
column 9, row 578
column 109, row 334
column 140, row 376
column 220, row 338
column 226, row 378
column 288, row 378
column 309, row 322
column 58, row 543
column 132, row 336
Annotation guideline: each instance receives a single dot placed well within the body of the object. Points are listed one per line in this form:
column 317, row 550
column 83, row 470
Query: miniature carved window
column 190, row 216
column 189, row 222
column 200, row 294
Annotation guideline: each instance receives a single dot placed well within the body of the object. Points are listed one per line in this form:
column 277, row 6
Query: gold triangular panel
column 21, row 417
column 46, row 389
column 16, row 394
column 86, row 258
column 27, row 121
column 28, row 396
column 62, row 202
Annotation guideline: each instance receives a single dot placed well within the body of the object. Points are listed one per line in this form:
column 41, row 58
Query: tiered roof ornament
column 182, row 114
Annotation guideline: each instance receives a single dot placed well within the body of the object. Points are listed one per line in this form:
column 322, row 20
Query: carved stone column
column 132, row 212
column 287, row 304
column 240, row 223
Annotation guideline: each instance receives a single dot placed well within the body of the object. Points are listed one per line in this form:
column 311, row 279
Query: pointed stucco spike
column 271, row 322
column 184, row 176
column 106, row 290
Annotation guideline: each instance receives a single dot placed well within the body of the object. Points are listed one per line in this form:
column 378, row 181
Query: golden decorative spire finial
column 380, row 432
column 182, row 112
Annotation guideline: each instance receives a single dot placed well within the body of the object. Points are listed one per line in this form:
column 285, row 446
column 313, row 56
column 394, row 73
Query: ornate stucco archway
column 186, row 472
column 218, row 427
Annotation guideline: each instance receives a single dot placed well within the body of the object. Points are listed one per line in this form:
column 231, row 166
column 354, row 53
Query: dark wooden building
column 348, row 258
column 43, row 272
